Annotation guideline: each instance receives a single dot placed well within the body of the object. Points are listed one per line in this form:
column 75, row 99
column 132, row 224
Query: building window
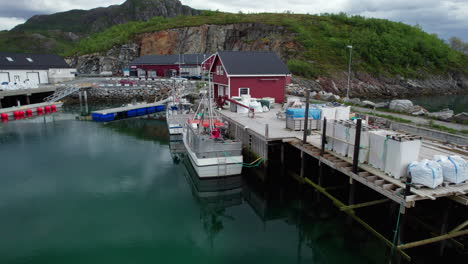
column 219, row 70
column 244, row 91
column 9, row 58
column 29, row 59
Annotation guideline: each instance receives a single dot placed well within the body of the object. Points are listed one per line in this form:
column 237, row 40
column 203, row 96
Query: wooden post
column 306, row 120
column 1, row 102
column 81, row 101
column 266, row 131
column 85, row 96
column 283, row 169
column 402, row 212
column 302, row 164
column 443, row 229
column 357, row 142
column 324, row 136
column 28, row 100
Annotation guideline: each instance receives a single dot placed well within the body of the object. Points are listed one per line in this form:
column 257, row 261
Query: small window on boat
column 9, row 58
column 244, row 91
column 29, row 59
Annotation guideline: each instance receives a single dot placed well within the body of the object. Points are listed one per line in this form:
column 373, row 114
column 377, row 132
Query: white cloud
column 7, row 23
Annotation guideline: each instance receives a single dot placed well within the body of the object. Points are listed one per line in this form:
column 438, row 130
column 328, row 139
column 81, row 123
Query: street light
column 349, row 69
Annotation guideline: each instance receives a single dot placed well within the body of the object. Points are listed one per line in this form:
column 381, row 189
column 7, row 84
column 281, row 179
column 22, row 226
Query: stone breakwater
column 122, row 94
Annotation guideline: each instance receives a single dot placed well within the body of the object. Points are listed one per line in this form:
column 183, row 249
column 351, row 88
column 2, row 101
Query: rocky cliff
column 200, row 39
column 256, row 36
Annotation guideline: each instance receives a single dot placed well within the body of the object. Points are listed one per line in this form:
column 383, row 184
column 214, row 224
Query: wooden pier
column 266, row 129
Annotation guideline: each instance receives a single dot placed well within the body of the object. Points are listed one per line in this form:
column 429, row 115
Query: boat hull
column 214, row 167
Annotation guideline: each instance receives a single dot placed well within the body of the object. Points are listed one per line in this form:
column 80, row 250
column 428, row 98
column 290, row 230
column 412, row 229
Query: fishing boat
column 177, row 109
column 211, row 153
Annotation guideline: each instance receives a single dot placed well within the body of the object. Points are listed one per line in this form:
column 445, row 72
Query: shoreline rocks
column 444, row 115
column 401, row 105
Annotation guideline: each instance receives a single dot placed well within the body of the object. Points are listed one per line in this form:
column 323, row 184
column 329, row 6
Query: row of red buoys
column 29, row 112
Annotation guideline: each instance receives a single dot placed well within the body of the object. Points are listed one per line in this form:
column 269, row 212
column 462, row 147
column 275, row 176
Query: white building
column 17, row 69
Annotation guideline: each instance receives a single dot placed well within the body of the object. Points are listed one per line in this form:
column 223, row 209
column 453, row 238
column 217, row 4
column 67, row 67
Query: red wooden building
column 260, row 74
column 153, row 66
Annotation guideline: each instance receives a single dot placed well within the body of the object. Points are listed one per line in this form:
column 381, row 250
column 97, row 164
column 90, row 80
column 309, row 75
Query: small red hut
column 258, row 73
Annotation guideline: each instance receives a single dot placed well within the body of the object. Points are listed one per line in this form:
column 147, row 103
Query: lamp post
column 349, row 69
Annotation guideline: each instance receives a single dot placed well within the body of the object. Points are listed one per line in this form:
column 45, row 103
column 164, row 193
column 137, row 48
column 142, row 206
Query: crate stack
column 295, row 119
column 363, row 144
column 392, row 152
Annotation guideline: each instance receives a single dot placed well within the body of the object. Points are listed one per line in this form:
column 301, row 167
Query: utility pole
column 349, row 69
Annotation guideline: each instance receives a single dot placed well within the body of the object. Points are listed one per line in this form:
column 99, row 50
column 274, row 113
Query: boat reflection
column 214, row 196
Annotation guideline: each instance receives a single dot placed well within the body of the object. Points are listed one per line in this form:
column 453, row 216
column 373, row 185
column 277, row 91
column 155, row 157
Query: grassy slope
column 380, row 46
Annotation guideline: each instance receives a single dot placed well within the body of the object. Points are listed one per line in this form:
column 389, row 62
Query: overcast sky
column 444, row 17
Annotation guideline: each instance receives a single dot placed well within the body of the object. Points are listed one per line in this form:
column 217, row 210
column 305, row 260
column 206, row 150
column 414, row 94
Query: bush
column 302, row 68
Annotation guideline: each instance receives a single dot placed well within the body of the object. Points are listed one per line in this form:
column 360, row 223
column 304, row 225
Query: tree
column 458, row 45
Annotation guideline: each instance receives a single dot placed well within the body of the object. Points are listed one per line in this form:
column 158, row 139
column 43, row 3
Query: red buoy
column 16, row 113
column 29, row 112
column 39, row 110
column 47, row 109
column 21, row 114
column 4, row 117
column 53, row 108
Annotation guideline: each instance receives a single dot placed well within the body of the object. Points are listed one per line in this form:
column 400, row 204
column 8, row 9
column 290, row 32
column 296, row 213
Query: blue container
column 160, row 108
column 151, row 109
column 107, row 117
column 102, row 118
column 141, row 111
column 132, row 113
column 300, row 113
column 96, row 117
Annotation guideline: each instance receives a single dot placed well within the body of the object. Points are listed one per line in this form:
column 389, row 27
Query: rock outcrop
column 98, row 19
column 113, row 60
column 200, row 39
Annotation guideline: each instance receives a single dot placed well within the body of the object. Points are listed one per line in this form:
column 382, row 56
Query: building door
column 221, row 90
column 4, row 77
column 33, row 78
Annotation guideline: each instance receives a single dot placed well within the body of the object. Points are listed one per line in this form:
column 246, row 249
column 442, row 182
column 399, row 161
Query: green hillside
column 380, row 46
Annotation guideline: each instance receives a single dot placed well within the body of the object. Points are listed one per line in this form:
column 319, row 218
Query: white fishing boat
column 177, row 109
column 211, row 153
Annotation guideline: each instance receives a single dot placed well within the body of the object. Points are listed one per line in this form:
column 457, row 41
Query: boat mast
column 210, row 106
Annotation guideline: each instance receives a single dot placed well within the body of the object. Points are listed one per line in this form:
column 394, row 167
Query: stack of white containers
column 328, row 112
column 342, row 112
column 401, row 151
column 377, row 150
column 330, row 132
column 342, row 135
column 363, row 144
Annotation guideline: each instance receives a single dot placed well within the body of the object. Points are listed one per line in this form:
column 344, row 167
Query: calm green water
column 82, row 192
column 458, row 103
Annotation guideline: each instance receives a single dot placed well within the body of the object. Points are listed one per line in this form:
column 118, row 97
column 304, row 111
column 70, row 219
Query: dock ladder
column 60, row 93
